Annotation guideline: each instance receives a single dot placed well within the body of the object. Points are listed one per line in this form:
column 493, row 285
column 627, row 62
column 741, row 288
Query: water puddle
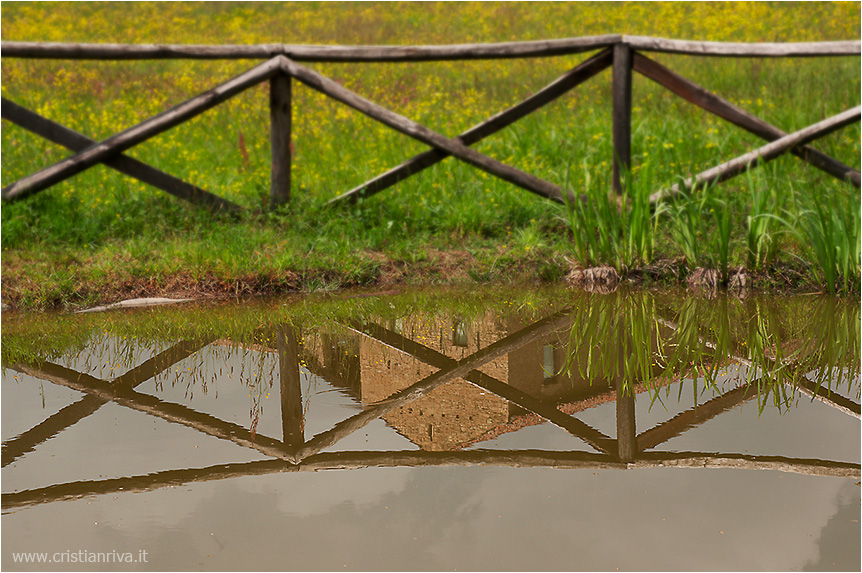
column 435, row 430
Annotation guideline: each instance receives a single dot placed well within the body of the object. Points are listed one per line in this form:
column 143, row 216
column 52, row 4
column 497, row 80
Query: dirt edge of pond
column 444, row 268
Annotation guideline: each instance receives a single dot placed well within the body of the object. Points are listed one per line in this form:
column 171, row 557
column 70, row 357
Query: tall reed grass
column 830, row 228
column 719, row 228
column 614, row 230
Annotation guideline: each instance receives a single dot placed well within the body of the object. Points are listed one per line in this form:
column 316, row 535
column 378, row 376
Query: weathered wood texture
column 75, row 141
column 145, row 130
column 551, row 92
column 311, row 53
column 281, row 65
column 328, row 460
column 280, row 110
column 714, row 104
column 575, row 460
column 763, row 50
column 747, row 462
column 622, row 112
column 308, row 53
column 766, row 153
column 627, row 441
column 412, row 129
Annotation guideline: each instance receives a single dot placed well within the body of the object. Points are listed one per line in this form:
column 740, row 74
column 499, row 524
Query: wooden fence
column 621, row 53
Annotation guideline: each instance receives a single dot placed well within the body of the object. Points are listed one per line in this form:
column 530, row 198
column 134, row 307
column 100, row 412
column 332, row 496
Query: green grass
column 830, row 228
column 763, row 230
column 102, row 235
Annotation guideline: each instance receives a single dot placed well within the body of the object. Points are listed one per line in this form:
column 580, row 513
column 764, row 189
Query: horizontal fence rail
column 308, row 53
column 766, row 153
column 621, row 53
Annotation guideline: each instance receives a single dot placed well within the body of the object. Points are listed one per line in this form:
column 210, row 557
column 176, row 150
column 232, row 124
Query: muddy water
column 482, row 430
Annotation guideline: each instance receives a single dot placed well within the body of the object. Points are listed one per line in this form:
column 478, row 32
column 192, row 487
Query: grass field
column 102, row 236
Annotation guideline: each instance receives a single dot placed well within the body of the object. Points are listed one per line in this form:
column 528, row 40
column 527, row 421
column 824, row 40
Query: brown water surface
column 435, row 430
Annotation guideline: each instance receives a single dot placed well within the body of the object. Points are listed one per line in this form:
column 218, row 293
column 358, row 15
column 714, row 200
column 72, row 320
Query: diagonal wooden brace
column 714, row 104
column 74, row 413
column 169, row 411
column 127, row 139
column 763, row 154
column 71, row 139
column 421, row 133
column 492, row 125
column 694, row 417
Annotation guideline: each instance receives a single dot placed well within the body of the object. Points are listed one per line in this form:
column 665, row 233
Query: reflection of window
column 459, row 334
column 549, row 368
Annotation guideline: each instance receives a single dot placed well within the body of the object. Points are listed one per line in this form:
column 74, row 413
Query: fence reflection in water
column 449, row 384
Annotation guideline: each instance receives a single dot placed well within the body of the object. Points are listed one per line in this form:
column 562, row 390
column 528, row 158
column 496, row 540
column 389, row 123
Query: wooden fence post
column 622, row 87
column 626, row 430
column 280, row 135
column 292, row 420
column 61, row 135
column 410, row 128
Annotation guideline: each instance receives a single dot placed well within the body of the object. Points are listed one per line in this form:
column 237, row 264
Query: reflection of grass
column 32, row 336
column 629, row 337
column 641, row 338
column 614, row 338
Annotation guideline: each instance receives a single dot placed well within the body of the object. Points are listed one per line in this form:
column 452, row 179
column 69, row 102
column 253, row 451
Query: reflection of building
column 449, row 416
column 458, row 413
